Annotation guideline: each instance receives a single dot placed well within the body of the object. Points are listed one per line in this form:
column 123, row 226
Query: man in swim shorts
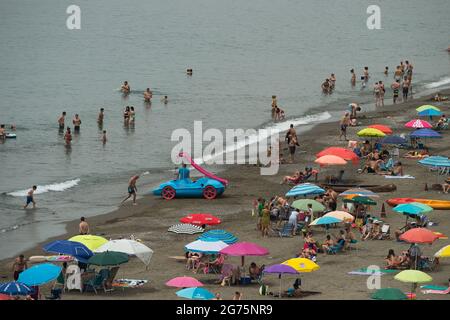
column 30, row 198
column 132, row 189
column 76, row 123
column 83, row 227
column 61, row 121
column 20, row 265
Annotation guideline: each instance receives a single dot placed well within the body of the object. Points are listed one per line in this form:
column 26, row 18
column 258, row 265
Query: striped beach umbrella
column 186, row 228
column 305, row 189
column 435, row 161
column 359, row 192
column 427, row 107
column 15, row 288
column 218, row 235
column 207, row 247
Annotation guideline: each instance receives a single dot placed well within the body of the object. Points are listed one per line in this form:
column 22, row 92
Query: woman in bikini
column 293, row 179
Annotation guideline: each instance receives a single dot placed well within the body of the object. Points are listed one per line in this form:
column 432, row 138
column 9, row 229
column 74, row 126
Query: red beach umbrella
column 419, row 235
column 4, row 297
column 200, row 219
column 343, row 153
column 330, row 160
column 382, row 128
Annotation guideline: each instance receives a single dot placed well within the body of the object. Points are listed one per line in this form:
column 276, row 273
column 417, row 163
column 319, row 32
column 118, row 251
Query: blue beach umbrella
column 429, row 112
column 435, row 161
column 305, row 189
column 425, row 133
column 195, row 293
column 325, row 220
column 15, row 288
column 71, row 248
column 40, row 274
column 393, row 140
column 359, row 192
column 218, row 235
column 412, row 208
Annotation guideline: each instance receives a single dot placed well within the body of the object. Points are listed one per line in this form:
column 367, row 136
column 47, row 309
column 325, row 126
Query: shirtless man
column 104, row 137
column 386, row 71
column 345, row 122
column 148, row 95
column 382, row 92
column 30, row 198
column 274, row 106
column 353, row 78
column 132, row 189
column 290, row 132
column 2, row 132
column 366, row 74
column 125, row 87
column 83, row 227
column 395, row 89
column 332, row 81
column 61, row 121
column 405, row 88
column 376, row 93
column 20, row 264
column 353, row 108
column 68, row 136
column 101, row 115
column 76, row 123
column 398, row 74
column 326, row 87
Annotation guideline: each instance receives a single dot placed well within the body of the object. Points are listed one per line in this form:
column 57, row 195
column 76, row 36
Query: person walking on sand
column 345, row 121
column 132, row 189
column 83, row 227
column 61, row 121
column 292, row 146
column 76, row 123
column 30, row 197
column 19, row 265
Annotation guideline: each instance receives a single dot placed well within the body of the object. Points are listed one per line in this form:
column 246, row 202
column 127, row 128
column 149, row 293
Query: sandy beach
column 151, row 218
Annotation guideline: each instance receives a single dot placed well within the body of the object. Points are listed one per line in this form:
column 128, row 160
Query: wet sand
column 151, row 218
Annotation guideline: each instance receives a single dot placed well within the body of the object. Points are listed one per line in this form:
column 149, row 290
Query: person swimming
column 148, row 95
column 125, row 88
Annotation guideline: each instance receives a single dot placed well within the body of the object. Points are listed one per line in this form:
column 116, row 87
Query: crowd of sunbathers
column 381, row 162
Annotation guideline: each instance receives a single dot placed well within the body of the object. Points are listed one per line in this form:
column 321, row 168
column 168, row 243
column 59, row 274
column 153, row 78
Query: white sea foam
column 57, row 187
column 440, row 83
column 280, row 126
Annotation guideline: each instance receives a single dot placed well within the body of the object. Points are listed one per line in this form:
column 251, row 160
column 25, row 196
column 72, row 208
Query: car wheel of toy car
column 168, row 193
column 209, row 192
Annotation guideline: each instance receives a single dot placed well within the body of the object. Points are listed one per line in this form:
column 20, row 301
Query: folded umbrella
column 201, row 219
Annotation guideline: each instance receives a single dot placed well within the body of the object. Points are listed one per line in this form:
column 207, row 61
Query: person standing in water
column 165, row 100
column 125, row 88
column 405, row 88
column 101, row 116
column 126, row 116
column 76, row 123
column 353, row 78
column 148, row 95
column 366, row 74
column 382, row 92
column 332, row 81
column 104, row 137
column 132, row 115
column 386, row 71
column 30, row 197
column 376, row 92
column 395, row 89
column 132, row 189
column 68, row 136
column 61, row 121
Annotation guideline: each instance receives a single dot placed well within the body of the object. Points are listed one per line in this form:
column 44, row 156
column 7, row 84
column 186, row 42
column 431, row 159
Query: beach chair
column 385, row 232
column 336, row 248
column 98, row 282
column 215, row 267
column 286, row 231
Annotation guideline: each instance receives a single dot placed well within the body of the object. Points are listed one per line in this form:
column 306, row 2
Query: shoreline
column 236, row 201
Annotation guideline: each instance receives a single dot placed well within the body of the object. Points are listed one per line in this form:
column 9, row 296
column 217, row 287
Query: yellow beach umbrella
column 414, row 277
column 302, row 264
column 426, row 107
column 345, row 216
column 371, row 133
column 90, row 241
column 443, row 253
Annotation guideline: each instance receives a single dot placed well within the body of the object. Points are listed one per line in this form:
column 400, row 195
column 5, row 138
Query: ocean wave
column 437, row 84
column 274, row 128
column 57, row 187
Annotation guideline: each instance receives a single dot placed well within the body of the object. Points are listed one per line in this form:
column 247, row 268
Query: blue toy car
column 203, row 187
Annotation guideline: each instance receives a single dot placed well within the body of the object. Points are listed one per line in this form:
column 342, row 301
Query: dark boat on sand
column 371, row 187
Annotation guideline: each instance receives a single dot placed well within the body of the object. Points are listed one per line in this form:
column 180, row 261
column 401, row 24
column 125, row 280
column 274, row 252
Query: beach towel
column 400, row 177
column 446, row 291
column 129, row 283
column 434, row 287
column 370, row 272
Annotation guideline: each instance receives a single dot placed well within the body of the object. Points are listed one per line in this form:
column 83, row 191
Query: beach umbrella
column 393, row 140
column 413, row 208
column 129, row 247
column 342, row 215
column 108, row 258
column 206, row 247
column 418, row 124
column 370, row 133
column 280, row 269
column 40, row 274
column 382, row 128
column 359, row 192
column 425, row 133
column 429, row 113
column 343, row 153
column 90, row 241
column 243, row 249
column 302, row 264
column 184, row 282
column 413, row 277
column 427, row 107
column 302, row 204
column 435, row 161
column 330, row 160
column 71, row 248
column 195, row 294
column 360, row 200
column 4, row 297
column 443, row 252
column 15, row 288
column 218, row 235
column 419, row 235
column 389, row 294
column 201, row 219
column 325, row 220
column 185, row 228
column 305, row 189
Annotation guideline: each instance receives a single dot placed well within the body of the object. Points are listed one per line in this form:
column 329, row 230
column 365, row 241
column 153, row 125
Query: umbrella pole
column 279, row 276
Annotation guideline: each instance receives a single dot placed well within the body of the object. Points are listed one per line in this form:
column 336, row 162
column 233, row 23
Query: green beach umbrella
column 426, row 107
column 302, row 204
column 389, row 294
column 361, row 200
column 108, row 258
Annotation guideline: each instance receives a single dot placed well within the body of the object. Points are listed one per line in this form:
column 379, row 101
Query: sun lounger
column 407, row 176
column 128, row 283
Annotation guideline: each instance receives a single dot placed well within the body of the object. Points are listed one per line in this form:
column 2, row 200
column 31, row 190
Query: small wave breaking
column 56, row 187
column 437, row 84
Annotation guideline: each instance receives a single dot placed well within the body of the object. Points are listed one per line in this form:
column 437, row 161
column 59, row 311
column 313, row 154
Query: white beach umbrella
column 186, row 228
column 208, row 247
column 130, row 247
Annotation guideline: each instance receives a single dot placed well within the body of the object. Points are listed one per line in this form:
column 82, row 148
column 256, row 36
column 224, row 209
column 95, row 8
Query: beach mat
column 434, row 287
column 400, row 177
column 370, row 272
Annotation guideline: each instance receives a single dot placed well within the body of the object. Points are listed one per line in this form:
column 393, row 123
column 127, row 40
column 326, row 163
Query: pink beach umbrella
column 418, row 124
column 184, row 282
column 330, row 160
column 242, row 249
